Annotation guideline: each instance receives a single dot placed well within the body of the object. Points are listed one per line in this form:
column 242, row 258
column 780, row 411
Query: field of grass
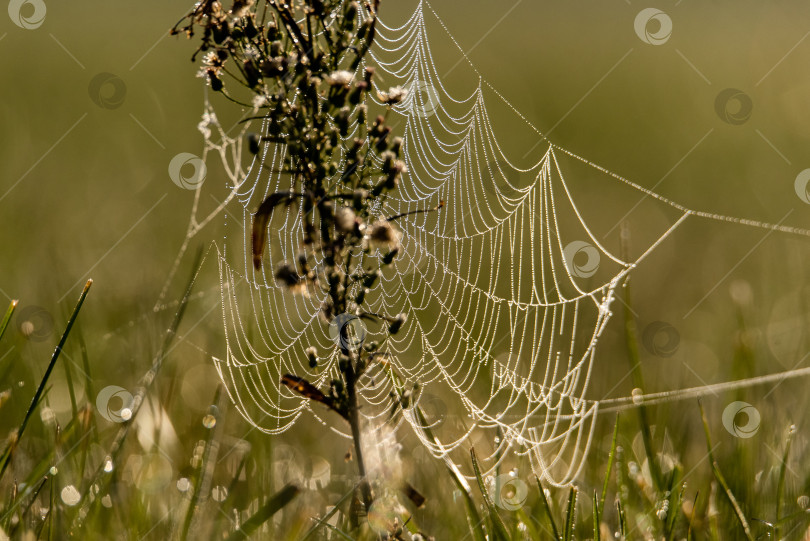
column 114, row 420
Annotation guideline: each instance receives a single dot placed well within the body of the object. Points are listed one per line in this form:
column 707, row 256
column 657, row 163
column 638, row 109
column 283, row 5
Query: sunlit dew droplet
column 21, row 383
column 219, row 493
column 803, row 501
column 43, row 512
column 210, row 419
column 183, row 484
column 70, row 495
column 497, row 440
column 47, row 415
column 637, row 396
column 126, row 414
column 53, row 470
column 108, row 465
column 513, row 473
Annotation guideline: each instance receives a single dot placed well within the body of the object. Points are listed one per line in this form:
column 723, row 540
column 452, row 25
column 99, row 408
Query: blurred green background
column 85, row 190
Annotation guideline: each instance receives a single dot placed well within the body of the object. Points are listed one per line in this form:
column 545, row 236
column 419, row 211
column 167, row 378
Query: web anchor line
column 630, row 402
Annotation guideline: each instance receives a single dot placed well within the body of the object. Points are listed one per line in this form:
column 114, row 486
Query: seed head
column 345, row 219
column 383, row 235
column 393, row 96
column 341, row 78
column 397, row 324
column 289, row 277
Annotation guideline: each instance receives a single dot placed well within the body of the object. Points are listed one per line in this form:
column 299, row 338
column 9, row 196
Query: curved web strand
column 508, row 288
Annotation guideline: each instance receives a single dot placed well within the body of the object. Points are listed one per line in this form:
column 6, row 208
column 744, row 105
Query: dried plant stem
column 354, row 422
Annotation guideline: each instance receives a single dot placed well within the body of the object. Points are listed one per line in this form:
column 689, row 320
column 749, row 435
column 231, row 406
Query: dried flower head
column 340, row 78
column 241, row 7
column 397, row 324
column 213, row 60
column 345, row 219
column 259, row 101
column 393, row 96
column 289, row 277
column 383, row 235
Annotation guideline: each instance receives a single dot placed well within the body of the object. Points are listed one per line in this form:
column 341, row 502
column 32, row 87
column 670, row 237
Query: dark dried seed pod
column 254, row 140
column 272, row 31
column 370, row 278
column 252, row 74
column 390, row 256
column 312, row 356
column 351, row 11
column 288, row 276
column 250, row 29
column 358, row 198
column 216, row 82
column 221, row 32
column 397, row 324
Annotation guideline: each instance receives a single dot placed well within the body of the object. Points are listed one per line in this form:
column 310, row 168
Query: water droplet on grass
column 70, row 495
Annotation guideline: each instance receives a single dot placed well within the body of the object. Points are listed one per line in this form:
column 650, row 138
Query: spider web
column 508, row 289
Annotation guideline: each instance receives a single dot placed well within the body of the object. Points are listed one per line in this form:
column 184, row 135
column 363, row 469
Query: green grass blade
column 7, row 318
column 340, row 532
column 597, row 519
column 722, row 480
column 611, row 456
column 266, row 512
column 530, row 532
column 203, row 485
column 780, row 488
column 547, row 510
column 323, row 521
column 674, row 510
column 42, row 384
column 622, row 518
column 570, row 515
column 499, row 530
column 692, row 516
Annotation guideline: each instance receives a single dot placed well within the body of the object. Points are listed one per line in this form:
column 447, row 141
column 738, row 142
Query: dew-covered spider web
column 507, row 289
